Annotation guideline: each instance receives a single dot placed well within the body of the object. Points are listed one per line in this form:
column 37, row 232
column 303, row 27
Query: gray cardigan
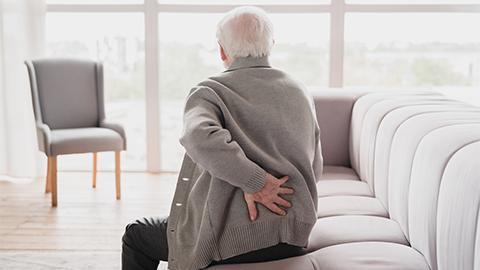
column 249, row 120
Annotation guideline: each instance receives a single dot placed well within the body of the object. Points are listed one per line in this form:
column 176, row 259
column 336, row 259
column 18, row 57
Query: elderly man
column 247, row 187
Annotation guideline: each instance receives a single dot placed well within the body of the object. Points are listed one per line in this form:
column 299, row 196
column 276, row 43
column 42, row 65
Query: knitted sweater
column 249, row 120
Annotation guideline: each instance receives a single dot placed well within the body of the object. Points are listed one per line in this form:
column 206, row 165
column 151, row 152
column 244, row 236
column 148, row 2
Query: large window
column 117, row 40
column 189, row 53
column 155, row 50
column 412, row 49
column 301, row 46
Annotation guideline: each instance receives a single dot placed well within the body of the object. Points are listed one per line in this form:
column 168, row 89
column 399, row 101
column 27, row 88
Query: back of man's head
column 245, row 31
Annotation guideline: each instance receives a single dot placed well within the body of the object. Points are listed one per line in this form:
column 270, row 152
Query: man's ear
column 222, row 52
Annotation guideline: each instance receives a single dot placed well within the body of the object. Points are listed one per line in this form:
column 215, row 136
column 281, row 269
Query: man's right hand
column 268, row 196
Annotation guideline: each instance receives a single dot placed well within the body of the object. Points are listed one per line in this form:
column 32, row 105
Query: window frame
column 151, row 9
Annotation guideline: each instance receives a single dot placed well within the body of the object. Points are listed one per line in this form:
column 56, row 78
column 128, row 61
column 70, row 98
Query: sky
column 416, row 28
column 313, row 29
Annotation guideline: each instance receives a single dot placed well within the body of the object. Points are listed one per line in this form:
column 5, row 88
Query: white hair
column 245, row 31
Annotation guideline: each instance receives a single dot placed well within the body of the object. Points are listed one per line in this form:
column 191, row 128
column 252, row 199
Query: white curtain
column 22, row 36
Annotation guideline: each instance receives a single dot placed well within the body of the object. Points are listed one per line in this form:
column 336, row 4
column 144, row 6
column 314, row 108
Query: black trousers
column 145, row 245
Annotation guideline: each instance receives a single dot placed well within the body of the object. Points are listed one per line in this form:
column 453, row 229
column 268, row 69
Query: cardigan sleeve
column 318, row 159
column 210, row 144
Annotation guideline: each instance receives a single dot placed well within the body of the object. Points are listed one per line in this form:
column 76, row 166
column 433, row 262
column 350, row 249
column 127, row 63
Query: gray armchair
column 68, row 103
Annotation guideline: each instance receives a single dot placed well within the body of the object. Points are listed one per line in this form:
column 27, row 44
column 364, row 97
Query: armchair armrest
column 104, row 123
column 44, row 138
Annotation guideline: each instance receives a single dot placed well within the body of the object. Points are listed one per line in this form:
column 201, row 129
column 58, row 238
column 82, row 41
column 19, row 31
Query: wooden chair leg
column 117, row 174
column 48, row 185
column 94, row 170
column 53, row 173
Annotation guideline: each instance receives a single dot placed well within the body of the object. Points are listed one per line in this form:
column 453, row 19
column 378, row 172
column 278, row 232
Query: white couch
column 401, row 184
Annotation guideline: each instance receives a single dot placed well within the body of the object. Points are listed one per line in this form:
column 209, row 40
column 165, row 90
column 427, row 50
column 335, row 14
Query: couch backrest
column 429, row 163
column 334, row 111
column 367, row 114
column 402, row 145
column 393, row 122
column 458, row 229
column 334, row 108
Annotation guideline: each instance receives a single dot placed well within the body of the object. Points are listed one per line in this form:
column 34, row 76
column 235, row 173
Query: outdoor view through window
column 411, row 50
column 381, row 49
column 118, row 41
column 189, row 53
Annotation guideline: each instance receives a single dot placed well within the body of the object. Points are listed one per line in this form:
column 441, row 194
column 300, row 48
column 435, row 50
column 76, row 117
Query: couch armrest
column 334, row 109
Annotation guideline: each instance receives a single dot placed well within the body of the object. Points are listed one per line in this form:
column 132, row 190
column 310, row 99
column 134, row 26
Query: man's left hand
column 268, row 196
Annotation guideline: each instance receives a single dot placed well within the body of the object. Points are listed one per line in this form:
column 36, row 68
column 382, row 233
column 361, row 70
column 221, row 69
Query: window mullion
column 152, row 94
column 337, row 29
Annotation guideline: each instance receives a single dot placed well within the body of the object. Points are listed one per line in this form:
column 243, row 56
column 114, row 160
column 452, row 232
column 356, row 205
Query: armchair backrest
column 67, row 93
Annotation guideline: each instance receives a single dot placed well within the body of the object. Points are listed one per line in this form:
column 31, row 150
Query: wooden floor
column 86, row 219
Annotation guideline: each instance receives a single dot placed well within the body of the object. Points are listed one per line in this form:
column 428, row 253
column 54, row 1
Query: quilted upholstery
column 401, row 183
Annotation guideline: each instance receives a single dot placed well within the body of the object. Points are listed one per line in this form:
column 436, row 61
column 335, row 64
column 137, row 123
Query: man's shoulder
column 267, row 73
column 242, row 81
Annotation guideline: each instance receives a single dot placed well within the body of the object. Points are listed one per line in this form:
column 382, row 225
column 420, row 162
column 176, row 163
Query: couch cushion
column 343, row 188
column 338, row 173
column 350, row 205
column 340, row 180
column 348, row 229
column 369, row 256
column 301, row 262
